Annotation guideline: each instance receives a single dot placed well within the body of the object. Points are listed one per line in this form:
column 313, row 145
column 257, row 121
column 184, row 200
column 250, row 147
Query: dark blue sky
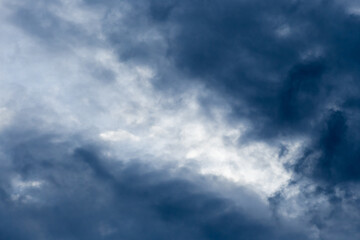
column 200, row 119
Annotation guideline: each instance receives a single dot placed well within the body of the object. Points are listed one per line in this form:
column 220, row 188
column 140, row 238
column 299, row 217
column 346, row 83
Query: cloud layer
column 179, row 120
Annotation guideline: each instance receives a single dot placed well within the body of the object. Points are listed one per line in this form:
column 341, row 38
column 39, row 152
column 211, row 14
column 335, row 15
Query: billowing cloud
column 179, row 120
column 52, row 188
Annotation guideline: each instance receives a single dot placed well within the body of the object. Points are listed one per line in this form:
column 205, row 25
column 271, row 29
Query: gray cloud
column 263, row 95
column 55, row 190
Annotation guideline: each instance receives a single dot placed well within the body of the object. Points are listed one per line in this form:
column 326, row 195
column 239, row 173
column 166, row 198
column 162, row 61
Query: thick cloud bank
column 51, row 189
column 202, row 119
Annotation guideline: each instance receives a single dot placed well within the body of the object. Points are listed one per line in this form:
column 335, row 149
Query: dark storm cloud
column 338, row 145
column 332, row 212
column 86, row 195
column 279, row 64
column 236, row 47
column 290, row 67
column 282, row 65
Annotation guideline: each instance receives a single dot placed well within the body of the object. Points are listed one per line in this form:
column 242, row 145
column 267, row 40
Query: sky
column 164, row 119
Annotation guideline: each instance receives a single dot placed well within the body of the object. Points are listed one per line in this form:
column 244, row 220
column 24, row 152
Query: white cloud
column 138, row 121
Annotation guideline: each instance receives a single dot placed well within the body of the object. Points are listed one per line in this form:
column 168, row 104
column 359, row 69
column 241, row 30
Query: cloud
column 282, row 82
column 87, row 90
column 332, row 158
column 106, row 105
column 53, row 189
